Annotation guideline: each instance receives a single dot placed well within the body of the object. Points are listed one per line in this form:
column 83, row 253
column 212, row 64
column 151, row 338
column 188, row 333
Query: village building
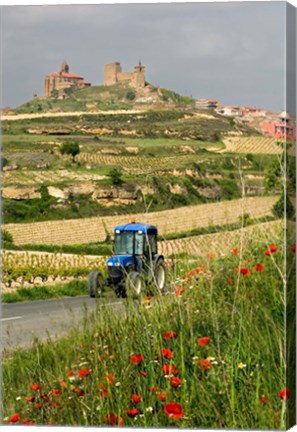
column 207, row 103
column 284, row 127
column 114, row 74
column 58, row 84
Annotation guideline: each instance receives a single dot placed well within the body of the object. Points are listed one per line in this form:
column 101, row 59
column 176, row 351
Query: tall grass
column 229, row 379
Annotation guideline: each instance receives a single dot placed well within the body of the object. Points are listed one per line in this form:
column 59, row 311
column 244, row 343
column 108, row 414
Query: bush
column 116, row 176
column 279, row 208
column 71, row 148
column 130, row 95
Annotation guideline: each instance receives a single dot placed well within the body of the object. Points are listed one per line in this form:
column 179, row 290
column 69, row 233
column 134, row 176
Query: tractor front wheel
column 96, row 283
column 135, row 285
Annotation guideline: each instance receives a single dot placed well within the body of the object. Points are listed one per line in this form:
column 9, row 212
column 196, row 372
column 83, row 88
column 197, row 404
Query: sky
column 233, row 52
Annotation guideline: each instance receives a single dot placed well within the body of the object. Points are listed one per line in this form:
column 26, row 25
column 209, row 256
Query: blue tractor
column 135, row 265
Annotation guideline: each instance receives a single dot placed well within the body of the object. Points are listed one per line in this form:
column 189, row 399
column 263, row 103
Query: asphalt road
column 22, row 322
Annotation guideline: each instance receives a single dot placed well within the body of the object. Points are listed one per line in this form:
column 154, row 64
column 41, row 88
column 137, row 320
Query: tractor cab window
column 139, row 244
column 123, row 243
column 150, row 248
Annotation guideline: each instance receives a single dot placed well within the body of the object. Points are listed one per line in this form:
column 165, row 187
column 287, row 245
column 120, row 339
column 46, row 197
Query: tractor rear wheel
column 160, row 275
column 96, row 283
column 135, row 285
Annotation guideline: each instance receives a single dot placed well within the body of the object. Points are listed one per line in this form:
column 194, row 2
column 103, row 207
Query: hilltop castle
column 57, row 82
column 114, row 74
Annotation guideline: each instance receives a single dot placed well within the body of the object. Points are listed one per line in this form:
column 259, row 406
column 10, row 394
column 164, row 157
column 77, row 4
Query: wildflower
column 263, row 399
column 178, row 290
column 70, row 373
column 78, row 391
column 167, row 353
column 153, row 389
column 114, row 420
column 103, row 390
column 143, row 373
column 62, row 384
column 27, row 421
column 210, row 256
column 149, row 409
column 56, row 392
column 241, row 365
column 84, row 372
column 175, row 382
column 136, row 359
column 234, row 251
column 284, row 394
column 259, row 268
column 244, row 271
column 293, row 248
column 14, row 418
column 203, row 341
column 135, row 398
column 30, row 399
column 173, row 410
column 204, row 364
column 55, row 405
column 170, row 335
column 132, row 412
column 169, row 369
column 162, row 396
column 147, row 301
column 110, row 378
column 34, row 387
column 272, row 248
column 230, row 281
column 38, row 406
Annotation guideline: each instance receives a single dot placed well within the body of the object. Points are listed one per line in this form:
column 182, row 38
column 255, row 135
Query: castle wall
column 125, row 76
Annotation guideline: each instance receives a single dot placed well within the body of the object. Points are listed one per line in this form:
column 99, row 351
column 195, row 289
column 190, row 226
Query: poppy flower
column 234, row 251
column 34, row 387
column 152, row 389
column 230, row 281
column 178, row 290
column 136, row 359
column 132, row 412
column 135, row 398
column 38, row 406
column 30, row 399
column 170, row 335
column 284, row 394
column 84, row 372
column 27, row 421
column 14, row 418
column 78, row 391
column 263, row 399
column 162, row 396
column 62, row 384
column 114, row 420
column 173, row 410
column 175, row 382
column 70, row 373
column 293, row 248
column 245, row 271
column 55, row 405
column 203, row 341
column 167, row 353
column 110, row 378
column 56, row 392
column 169, row 369
column 259, row 268
column 272, row 248
column 144, row 374
column 103, row 390
column 204, row 364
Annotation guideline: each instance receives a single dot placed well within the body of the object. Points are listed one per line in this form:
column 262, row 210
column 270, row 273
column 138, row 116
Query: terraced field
column 177, row 220
column 253, row 145
column 30, row 177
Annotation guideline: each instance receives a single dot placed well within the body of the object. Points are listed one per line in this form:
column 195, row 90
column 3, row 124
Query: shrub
column 130, row 95
column 71, row 148
column 116, row 176
column 279, row 207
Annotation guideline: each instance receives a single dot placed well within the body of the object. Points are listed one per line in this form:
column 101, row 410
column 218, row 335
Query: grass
column 45, row 292
column 84, row 378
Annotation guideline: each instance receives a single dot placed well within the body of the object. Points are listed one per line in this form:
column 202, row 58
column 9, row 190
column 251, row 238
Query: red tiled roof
column 65, row 75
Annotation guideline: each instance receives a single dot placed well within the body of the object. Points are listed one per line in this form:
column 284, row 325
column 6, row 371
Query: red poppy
column 170, row 335
column 230, row 281
column 204, row 364
column 135, row 398
column 210, row 256
column 110, row 378
column 234, row 251
column 194, row 272
column 38, row 406
column 136, row 359
column 175, row 382
column 173, row 410
column 55, row 405
column 103, row 390
column 259, row 268
column 203, row 341
column 162, row 396
column 78, row 391
column 34, row 386
column 30, row 399
column 132, row 412
column 263, row 399
column 284, row 394
column 272, row 248
column 56, row 392
column 167, row 353
column 27, row 421
column 70, row 373
column 84, row 372
column 169, row 369
column 114, row 420
column 14, row 418
column 143, row 373
column 293, row 248
column 62, row 384
column 245, row 271
column 178, row 290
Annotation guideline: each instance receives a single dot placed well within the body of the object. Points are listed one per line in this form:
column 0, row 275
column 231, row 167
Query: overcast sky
column 233, row 52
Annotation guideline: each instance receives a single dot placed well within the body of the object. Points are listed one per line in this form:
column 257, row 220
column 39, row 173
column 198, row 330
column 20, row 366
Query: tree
column 279, row 207
column 71, row 148
column 116, row 176
column 130, row 95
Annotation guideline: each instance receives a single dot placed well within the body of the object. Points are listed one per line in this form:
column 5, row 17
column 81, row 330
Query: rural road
column 24, row 321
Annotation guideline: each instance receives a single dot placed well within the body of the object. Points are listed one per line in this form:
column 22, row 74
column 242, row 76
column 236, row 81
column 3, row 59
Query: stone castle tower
column 114, row 74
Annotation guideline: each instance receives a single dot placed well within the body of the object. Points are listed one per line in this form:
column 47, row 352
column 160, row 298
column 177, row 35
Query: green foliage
column 130, row 95
column 54, row 94
column 274, row 172
column 116, row 176
column 282, row 204
column 70, row 148
column 4, row 162
column 6, row 236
